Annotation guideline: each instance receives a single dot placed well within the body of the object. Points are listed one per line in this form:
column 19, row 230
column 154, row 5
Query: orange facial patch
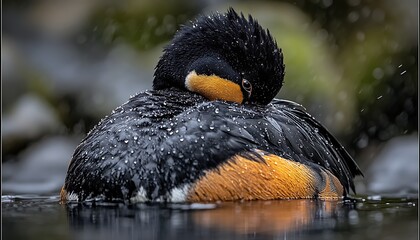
column 214, row 87
column 276, row 178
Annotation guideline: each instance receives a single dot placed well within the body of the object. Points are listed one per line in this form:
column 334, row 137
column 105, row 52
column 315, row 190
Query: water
column 369, row 217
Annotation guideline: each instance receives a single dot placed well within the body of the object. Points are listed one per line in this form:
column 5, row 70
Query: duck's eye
column 246, row 85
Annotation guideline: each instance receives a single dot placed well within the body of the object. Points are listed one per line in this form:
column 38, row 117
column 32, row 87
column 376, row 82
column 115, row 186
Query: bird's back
column 164, row 141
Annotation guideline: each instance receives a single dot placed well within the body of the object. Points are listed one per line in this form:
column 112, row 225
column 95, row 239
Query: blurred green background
column 66, row 64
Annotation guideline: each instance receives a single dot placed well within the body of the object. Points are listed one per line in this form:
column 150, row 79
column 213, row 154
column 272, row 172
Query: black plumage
column 168, row 137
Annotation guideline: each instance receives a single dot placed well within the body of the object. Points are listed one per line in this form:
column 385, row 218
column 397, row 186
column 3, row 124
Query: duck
column 211, row 129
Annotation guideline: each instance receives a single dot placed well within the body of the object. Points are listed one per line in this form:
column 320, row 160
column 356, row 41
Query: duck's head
column 223, row 57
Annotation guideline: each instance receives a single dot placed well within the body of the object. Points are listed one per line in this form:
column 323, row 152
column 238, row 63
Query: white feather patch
column 180, row 194
column 140, row 196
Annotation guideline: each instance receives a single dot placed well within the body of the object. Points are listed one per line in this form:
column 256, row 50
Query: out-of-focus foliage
column 142, row 24
column 375, row 43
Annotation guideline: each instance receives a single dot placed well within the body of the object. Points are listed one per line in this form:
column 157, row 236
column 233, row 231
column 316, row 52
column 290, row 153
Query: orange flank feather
column 275, row 178
column 63, row 195
column 332, row 186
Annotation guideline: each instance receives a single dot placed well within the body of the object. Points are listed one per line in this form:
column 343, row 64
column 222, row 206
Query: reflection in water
column 226, row 220
column 266, row 217
column 371, row 217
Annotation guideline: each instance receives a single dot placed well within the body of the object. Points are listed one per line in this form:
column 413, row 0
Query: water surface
column 372, row 217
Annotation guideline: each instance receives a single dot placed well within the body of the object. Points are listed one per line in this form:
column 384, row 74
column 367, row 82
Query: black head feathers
column 236, row 45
